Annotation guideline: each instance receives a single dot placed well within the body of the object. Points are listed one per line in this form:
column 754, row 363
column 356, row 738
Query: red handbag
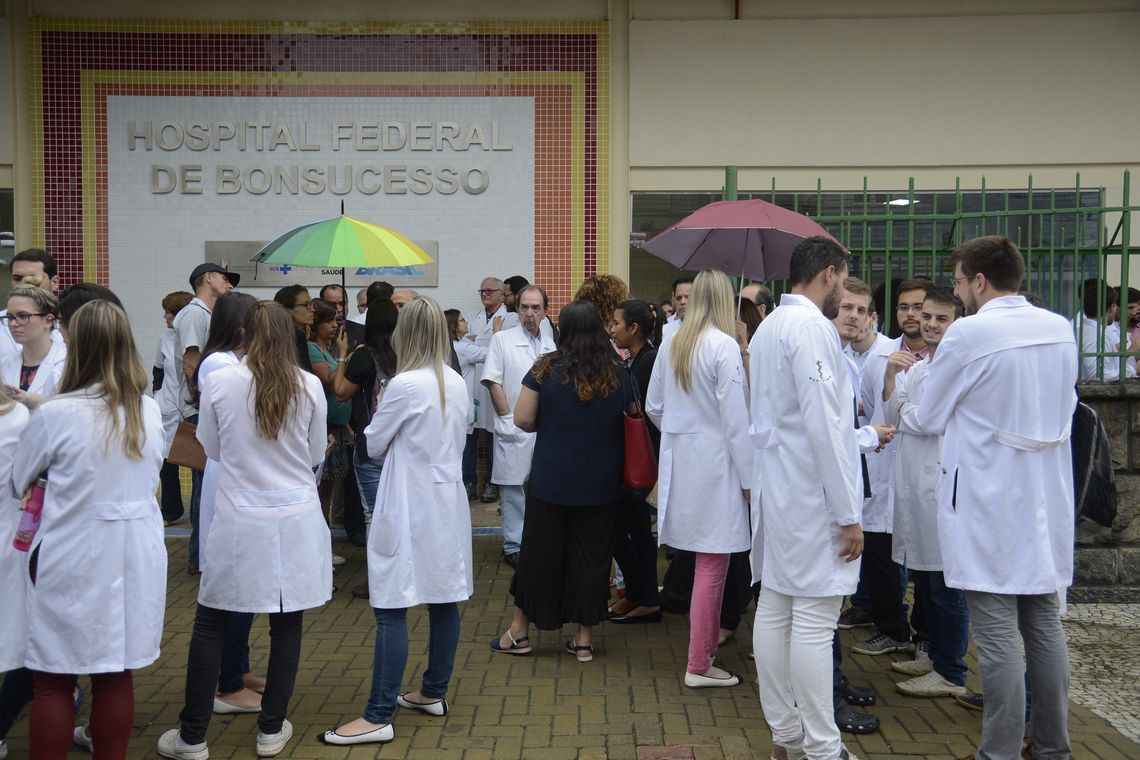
column 639, row 472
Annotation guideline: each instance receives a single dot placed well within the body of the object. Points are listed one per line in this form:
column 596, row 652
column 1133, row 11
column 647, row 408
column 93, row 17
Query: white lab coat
column 807, row 479
column 8, row 344
column 215, row 361
column 509, row 358
column 878, row 511
column 419, row 545
column 1001, row 388
column 470, row 356
column 269, row 548
column 1085, row 330
column 99, row 598
column 13, row 564
column 48, row 376
column 705, row 460
column 918, row 468
column 167, row 396
column 483, row 328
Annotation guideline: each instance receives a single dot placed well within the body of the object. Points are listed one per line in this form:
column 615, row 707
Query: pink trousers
column 704, row 610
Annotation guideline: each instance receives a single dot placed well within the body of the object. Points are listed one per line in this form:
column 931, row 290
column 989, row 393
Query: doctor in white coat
column 482, row 325
column 1002, row 389
column 100, row 444
column 941, row 670
column 34, row 371
column 511, row 355
column 881, row 580
column 13, row 564
column 269, row 548
column 419, row 545
column 806, row 501
column 696, row 399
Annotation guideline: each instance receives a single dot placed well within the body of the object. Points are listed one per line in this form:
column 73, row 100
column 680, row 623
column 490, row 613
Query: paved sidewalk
column 628, row 703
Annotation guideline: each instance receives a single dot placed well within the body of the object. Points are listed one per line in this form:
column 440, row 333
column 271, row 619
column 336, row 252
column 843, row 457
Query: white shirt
column 483, row 328
column 1086, row 331
column 671, row 326
column 878, row 512
column 101, row 532
column 470, row 356
column 511, row 355
column 706, row 460
column 191, row 328
column 13, row 564
column 419, row 543
column 269, row 549
column 167, row 396
column 1001, row 389
column 807, row 471
column 358, row 318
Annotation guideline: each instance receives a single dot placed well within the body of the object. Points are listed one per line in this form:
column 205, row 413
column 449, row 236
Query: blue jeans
column 367, row 481
column 195, row 505
column 391, row 656
column 948, row 624
column 512, row 501
column 469, row 451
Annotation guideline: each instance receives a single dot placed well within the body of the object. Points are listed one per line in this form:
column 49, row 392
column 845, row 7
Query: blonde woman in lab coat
column 419, row 544
column 697, row 400
column 100, row 443
column 269, row 548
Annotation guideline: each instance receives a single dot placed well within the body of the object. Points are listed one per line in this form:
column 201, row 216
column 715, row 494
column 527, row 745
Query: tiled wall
column 77, row 64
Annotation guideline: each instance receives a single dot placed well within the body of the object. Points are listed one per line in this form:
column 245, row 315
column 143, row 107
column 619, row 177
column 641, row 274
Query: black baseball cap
column 202, row 269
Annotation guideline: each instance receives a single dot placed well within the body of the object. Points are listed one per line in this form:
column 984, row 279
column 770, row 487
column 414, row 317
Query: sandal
column 583, row 652
column 852, row 721
column 518, row 646
column 859, row 696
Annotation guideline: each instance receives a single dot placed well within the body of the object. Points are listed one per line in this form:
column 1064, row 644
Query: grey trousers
column 1001, row 623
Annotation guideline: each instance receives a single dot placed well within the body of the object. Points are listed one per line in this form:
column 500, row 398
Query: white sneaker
column 170, row 745
column 338, row 560
column 919, row 666
column 3, row 749
column 380, row 735
column 269, row 745
column 712, row 678
column 930, row 685
column 82, row 739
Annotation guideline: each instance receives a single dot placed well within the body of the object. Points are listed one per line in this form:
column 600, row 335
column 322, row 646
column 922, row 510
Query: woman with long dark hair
column 634, row 547
column 239, row 691
column 269, row 549
column 574, row 399
column 96, row 595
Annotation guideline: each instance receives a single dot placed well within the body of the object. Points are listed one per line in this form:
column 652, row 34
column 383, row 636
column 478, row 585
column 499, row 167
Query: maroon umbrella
column 753, row 238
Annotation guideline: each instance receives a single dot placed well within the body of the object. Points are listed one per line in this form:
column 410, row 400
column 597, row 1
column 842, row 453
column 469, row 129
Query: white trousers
column 792, row 641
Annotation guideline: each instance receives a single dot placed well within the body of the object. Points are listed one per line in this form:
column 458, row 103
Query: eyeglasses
column 910, row 308
column 23, row 317
column 489, row 291
column 962, row 279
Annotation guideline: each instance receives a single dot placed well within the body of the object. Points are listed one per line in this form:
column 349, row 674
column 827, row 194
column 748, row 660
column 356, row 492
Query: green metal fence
column 1067, row 235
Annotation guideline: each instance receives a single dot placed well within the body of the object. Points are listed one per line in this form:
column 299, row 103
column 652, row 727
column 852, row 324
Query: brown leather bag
column 185, row 450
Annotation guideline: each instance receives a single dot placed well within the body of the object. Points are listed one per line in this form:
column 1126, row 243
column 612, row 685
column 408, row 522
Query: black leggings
column 205, row 662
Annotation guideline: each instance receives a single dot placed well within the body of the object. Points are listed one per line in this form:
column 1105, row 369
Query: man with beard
column 806, row 501
column 939, row 668
column 882, row 579
column 1002, row 392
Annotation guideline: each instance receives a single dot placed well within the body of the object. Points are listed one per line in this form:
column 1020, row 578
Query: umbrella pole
column 343, row 289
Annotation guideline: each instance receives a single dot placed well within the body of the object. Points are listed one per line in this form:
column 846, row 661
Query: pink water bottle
column 30, row 517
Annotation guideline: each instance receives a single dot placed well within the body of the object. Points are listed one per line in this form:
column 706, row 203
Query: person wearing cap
column 209, row 283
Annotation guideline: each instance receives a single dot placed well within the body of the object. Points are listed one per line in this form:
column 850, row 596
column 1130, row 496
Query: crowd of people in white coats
column 800, row 457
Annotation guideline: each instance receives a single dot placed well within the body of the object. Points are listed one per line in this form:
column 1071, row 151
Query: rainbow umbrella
column 342, row 242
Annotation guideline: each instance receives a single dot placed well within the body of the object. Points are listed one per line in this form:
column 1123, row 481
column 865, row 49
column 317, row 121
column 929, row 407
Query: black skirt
column 563, row 574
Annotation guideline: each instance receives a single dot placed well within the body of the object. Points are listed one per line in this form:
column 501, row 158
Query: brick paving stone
column 628, row 704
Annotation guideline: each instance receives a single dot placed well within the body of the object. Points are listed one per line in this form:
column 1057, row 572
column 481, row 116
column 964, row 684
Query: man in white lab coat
column 806, row 501
column 939, row 668
column 1002, row 390
column 481, row 327
column 681, row 287
column 882, row 580
column 511, row 355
